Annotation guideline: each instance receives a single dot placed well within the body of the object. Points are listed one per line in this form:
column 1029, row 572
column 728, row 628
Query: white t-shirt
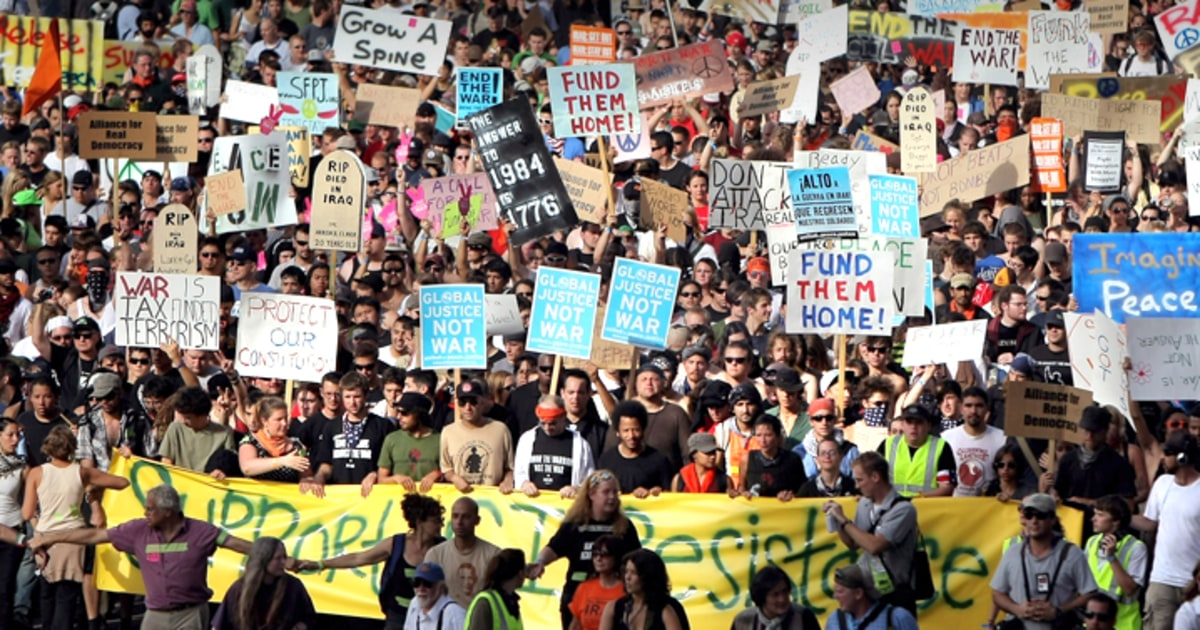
column 1178, row 545
column 973, row 456
column 1188, row 616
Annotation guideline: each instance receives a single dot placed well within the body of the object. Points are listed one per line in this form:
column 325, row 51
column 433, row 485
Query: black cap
column 918, row 413
column 86, row 323
column 82, row 178
column 788, row 379
column 1095, row 419
column 413, row 401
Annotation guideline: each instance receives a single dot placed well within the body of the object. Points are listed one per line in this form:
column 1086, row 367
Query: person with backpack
column 1149, row 60
column 859, row 606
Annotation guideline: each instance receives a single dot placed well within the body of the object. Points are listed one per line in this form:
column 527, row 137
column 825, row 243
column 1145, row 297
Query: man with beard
column 974, row 445
column 549, row 457
column 432, row 607
column 735, row 436
column 410, row 456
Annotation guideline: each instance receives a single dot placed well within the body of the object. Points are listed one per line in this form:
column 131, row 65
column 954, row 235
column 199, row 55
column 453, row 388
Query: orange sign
column 1046, row 135
column 592, row 45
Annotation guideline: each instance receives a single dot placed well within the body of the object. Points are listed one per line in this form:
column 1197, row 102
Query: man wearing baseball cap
column 735, row 435
column 433, row 608
column 921, row 464
column 412, row 454
column 476, row 450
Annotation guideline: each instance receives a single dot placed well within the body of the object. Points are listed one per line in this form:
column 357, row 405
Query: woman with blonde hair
column 266, row 597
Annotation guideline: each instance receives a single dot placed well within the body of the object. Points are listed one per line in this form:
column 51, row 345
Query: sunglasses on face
column 1005, row 465
column 139, row 361
column 364, row 367
column 822, row 418
column 300, row 243
column 1091, row 614
column 689, row 294
column 556, row 260
column 83, row 335
column 1032, row 514
column 877, row 349
column 735, row 360
column 210, row 254
column 419, row 583
column 463, row 401
column 545, row 369
column 47, row 261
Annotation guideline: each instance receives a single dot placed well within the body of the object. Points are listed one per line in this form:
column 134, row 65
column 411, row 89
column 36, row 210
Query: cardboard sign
column 1165, row 354
column 518, row 163
column 1046, row 136
column 291, row 337
column 225, row 192
column 248, row 102
column 1104, row 165
column 663, row 204
column 1179, row 27
column 1058, row 44
column 766, row 97
column 740, row 191
column 641, row 300
column 985, row 55
column 310, row 99
column 587, row 187
column 864, row 141
column 391, row 41
column 1139, row 119
column 840, row 292
column 1009, row 20
column 175, row 138
column 822, row 204
column 683, row 72
column 1137, row 275
column 477, row 90
column 606, row 355
column 594, row 100
column 891, row 37
column 766, row 11
column 1109, row 17
column 895, row 206
column 918, row 133
column 563, row 316
column 503, row 315
column 267, row 178
column 1098, row 354
column 978, row 174
column 909, row 281
column 453, row 327
column 299, row 148
column 386, row 106
column 81, row 43
column 944, row 343
column 339, row 195
column 796, row 11
column 861, row 164
column 591, row 44
column 131, row 135
column 153, row 308
column 176, row 240
column 1045, row 411
column 856, row 91
column 1170, row 89
column 446, row 196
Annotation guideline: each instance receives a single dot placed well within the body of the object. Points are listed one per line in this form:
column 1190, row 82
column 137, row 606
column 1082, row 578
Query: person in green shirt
column 410, row 456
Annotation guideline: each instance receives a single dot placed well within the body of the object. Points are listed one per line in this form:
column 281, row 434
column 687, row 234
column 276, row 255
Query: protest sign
column 225, row 192
column 176, row 240
column 309, row 99
column 1191, row 157
column 740, row 191
column 1046, row 137
column 131, row 135
column 1165, row 354
column 804, row 104
column 444, row 196
column 453, row 327
column 292, row 337
column 1008, row 20
column 944, row 343
column 175, row 138
column 502, row 314
column 861, row 164
column 594, row 100
column 260, row 158
column 606, row 355
column 780, row 225
column 1058, row 44
column 154, row 308
column 856, row 91
column 864, row 141
column 840, row 292
column 197, row 85
column 1098, row 353
column 683, row 72
column 592, row 44
column 384, row 39
column 1137, row 275
column 523, row 175
column 561, row 321
column 1179, row 27
column 1108, row 17
column 248, row 102
column 764, row 11
column 796, row 11
column 937, row 7
column 641, row 300
column 587, row 187
column 820, row 37
column 299, row 147
column 918, row 132
column 1105, row 163
column 822, row 203
column 766, row 97
column 81, row 43
column 908, row 277
column 978, row 174
column 214, row 70
column 985, row 55
column 1139, row 119
column 1170, row 89
column 633, row 147
column 663, row 204
column 1045, row 411
column 895, row 207
column 338, row 198
column 478, row 89
column 387, row 106
column 892, row 37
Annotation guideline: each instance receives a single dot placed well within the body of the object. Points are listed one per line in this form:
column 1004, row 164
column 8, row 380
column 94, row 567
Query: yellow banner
column 118, row 58
column 82, row 49
column 711, row 544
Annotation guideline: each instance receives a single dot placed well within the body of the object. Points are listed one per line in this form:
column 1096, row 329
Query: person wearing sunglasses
column 432, row 607
column 877, row 353
column 476, row 450
column 823, row 417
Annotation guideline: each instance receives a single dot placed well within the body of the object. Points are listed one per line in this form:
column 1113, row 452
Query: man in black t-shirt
column 640, row 470
column 348, row 450
column 550, row 457
column 1051, row 361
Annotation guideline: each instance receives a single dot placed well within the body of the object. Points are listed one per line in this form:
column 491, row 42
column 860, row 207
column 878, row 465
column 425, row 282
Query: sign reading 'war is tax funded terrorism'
column 153, row 308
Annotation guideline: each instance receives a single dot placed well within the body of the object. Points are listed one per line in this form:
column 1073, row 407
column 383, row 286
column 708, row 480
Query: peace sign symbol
column 628, row 144
column 706, row 67
column 1187, row 38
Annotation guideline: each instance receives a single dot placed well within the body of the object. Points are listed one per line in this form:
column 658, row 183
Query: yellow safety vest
column 915, row 474
column 501, row 620
column 1008, row 542
column 1129, row 613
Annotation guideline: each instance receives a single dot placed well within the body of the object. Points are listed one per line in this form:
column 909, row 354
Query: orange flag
column 47, row 76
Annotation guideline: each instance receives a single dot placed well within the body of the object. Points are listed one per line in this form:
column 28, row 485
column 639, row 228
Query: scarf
column 276, row 446
column 1087, row 457
column 9, row 463
column 828, row 491
column 352, row 431
column 768, row 624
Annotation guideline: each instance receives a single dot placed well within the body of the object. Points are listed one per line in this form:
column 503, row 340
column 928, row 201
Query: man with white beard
column 433, row 607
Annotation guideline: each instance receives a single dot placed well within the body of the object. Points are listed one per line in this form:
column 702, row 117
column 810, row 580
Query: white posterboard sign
column 153, row 308
column 944, row 343
column 291, row 337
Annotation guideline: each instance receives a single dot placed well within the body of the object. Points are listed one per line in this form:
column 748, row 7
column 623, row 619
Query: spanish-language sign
column 594, row 100
column 895, row 209
column 641, row 300
column 767, row 97
column 176, row 138
column 130, row 135
column 944, row 343
column 684, row 72
column 446, row 196
column 909, row 281
column 564, row 311
column 856, row 91
column 267, row 177
column 248, row 102
column 1044, row 411
column 821, row 203
column 1046, row 137
column 176, row 240
column 299, row 148
column 1098, row 354
column 1104, row 166
column 664, row 205
column 309, row 99
column 453, row 327
column 1058, row 44
column 391, row 41
column 918, row 132
column 861, row 164
column 225, row 193
column 892, row 37
column 591, row 44
column 1179, row 27
column 1137, row 275
column 154, row 308
column 739, row 191
column 840, row 292
column 291, row 337
column 606, row 355
column 587, row 187
column 81, row 43
column 1140, row 119
column 1109, row 17
column 386, row 106
column 518, row 163
column 478, row 89
column 339, row 196
column 987, row 55
column 978, row 174
column 1165, row 356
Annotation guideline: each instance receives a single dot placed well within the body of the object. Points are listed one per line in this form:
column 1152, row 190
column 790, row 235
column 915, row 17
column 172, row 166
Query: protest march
column 633, row 314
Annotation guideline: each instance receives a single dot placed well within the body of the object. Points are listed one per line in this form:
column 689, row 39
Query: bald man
column 465, row 557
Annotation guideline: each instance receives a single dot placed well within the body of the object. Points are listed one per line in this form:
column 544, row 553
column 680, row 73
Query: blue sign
column 894, row 206
column 564, row 312
column 478, row 89
column 822, row 202
column 1137, row 275
column 641, row 301
column 453, row 327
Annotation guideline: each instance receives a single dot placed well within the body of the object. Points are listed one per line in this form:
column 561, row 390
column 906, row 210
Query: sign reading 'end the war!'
column 594, row 100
